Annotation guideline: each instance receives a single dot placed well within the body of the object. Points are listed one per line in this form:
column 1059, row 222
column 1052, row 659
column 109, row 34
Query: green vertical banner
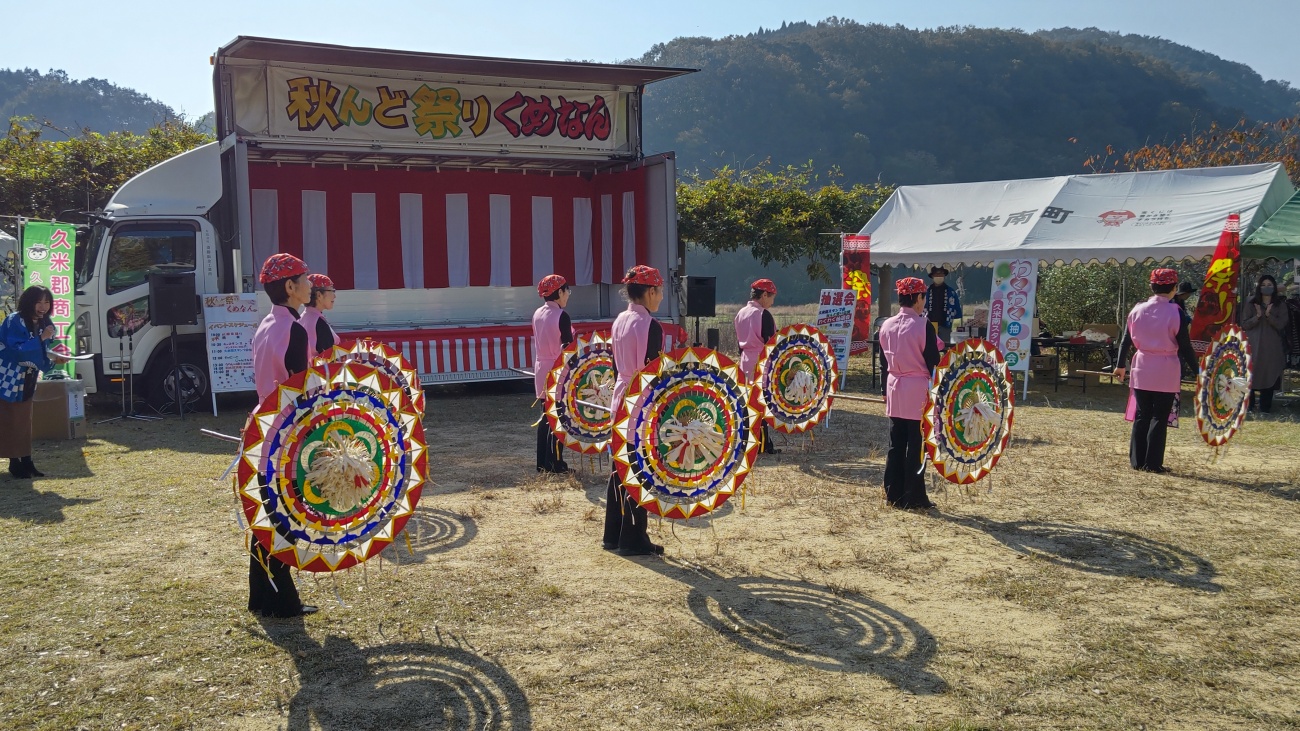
column 47, row 261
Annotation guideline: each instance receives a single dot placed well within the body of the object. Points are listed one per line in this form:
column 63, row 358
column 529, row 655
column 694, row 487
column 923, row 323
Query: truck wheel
column 192, row 369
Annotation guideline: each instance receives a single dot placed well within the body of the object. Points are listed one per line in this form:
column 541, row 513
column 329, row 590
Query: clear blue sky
column 162, row 49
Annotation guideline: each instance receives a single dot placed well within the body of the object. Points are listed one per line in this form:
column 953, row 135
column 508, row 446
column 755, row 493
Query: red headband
column 909, row 285
column 764, row 285
column 550, row 284
column 281, row 266
column 320, row 281
column 642, row 274
column 1164, row 276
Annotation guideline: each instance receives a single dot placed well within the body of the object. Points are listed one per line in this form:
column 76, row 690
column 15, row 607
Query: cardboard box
column 1111, row 330
column 1042, row 362
column 59, row 410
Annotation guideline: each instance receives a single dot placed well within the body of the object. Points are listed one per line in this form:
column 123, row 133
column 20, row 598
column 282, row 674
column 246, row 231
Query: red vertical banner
column 856, row 258
column 1217, row 306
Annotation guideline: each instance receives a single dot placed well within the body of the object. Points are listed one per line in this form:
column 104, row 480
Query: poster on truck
column 230, row 321
column 432, row 111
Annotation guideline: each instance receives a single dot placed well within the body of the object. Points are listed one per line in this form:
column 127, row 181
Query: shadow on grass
column 597, row 494
column 817, row 626
column 399, row 685
column 431, row 532
column 847, row 473
column 1286, row 490
column 1098, row 551
column 20, row 499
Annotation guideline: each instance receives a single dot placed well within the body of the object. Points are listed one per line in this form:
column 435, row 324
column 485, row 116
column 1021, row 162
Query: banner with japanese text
column 1217, row 305
column 1011, row 309
column 835, row 309
column 47, row 261
column 856, row 258
column 231, row 321
column 428, row 111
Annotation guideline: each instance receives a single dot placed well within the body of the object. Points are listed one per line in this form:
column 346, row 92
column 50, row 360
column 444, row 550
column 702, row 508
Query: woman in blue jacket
column 24, row 339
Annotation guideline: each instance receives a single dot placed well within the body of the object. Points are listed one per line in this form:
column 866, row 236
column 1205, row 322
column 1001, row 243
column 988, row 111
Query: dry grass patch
column 1067, row 592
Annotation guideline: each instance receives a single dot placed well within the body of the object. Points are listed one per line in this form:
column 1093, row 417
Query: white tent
column 1122, row 217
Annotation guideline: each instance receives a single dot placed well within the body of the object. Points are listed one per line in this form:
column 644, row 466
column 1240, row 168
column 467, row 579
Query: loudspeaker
column 701, row 296
column 172, row 299
column 712, row 338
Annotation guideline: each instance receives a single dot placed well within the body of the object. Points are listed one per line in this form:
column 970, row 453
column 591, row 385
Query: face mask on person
column 938, row 279
column 1266, row 289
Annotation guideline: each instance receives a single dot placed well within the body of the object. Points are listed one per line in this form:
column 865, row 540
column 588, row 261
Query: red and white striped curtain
column 395, row 229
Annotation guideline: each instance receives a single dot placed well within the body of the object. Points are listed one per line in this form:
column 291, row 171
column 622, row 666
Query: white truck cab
column 156, row 221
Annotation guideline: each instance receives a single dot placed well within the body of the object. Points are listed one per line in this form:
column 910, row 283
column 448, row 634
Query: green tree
column 1070, row 297
column 780, row 215
column 40, row 177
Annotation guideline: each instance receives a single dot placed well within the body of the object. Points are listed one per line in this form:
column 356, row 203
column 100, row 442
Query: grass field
column 1065, row 592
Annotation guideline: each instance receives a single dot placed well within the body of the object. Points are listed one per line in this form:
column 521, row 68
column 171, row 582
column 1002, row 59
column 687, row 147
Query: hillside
column 73, row 105
column 916, row 106
column 1229, row 83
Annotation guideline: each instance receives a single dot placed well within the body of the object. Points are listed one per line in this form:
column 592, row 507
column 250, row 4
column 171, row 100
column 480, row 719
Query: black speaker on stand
column 173, row 301
column 701, row 300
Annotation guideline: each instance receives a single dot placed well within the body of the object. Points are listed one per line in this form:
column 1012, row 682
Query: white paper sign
column 1011, row 309
column 835, row 321
column 230, row 320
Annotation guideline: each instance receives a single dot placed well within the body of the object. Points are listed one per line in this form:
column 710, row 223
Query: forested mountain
column 916, row 106
column 1229, row 83
column 73, row 105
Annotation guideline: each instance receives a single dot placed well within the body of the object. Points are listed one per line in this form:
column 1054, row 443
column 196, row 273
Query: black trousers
column 548, row 449
column 626, row 522
column 1146, row 446
column 904, row 482
column 280, row 600
column 1265, row 401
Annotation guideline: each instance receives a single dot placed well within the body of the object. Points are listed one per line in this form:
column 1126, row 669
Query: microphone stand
column 128, row 402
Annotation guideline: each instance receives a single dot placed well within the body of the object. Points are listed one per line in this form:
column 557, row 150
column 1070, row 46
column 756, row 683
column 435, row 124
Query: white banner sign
column 1011, row 309
column 835, row 320
column 433, row 112
column 230, row 320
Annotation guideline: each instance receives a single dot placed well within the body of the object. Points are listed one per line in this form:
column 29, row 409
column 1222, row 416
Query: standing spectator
column 1185, row 291
column 24, row 343
column 942, row 305
column 1265, row 319
column 1293, row 333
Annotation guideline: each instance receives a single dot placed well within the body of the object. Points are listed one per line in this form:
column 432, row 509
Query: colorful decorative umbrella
column 1223, row 387
column 385, row 359
column 967, row 419
column 796, row 378
column 583, row 375
column 329, row 470
column 686, row 434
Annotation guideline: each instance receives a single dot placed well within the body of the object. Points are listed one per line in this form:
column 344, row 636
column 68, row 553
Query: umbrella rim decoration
column 390, row 361
column 1213, row 435
column 769, row 403
column 558, row 380
column 659, row 374
column 267, row 444
column 932, row 418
